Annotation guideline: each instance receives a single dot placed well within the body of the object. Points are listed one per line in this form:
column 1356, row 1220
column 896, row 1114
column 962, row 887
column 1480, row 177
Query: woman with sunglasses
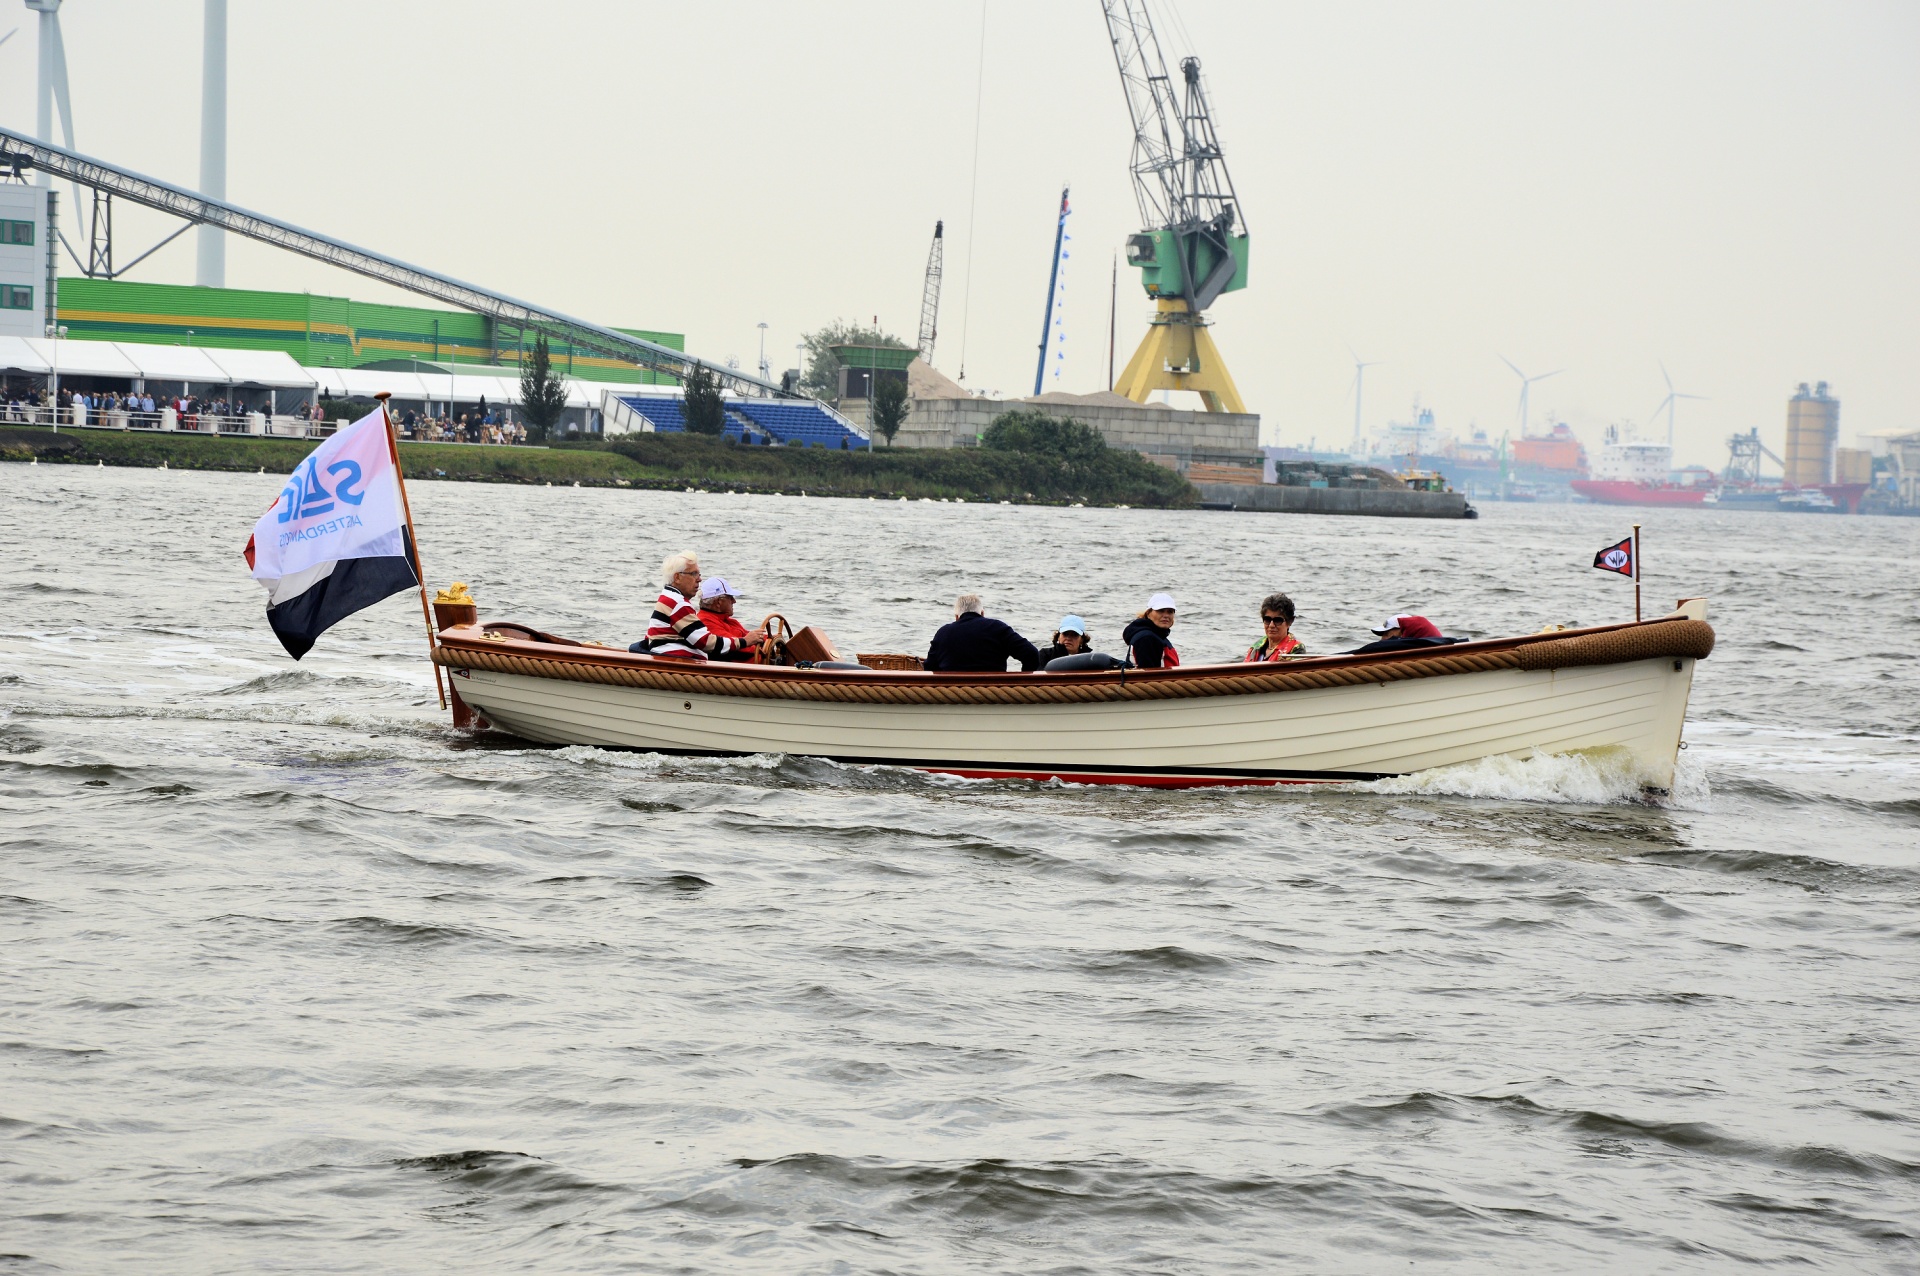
column 1278, row 642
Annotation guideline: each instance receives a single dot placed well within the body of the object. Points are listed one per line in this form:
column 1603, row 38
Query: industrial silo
column 1813, row 431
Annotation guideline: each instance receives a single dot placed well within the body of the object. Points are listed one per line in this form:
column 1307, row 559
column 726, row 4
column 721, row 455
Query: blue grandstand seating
column 791, row 421
column 664, row 412
column 786, row 420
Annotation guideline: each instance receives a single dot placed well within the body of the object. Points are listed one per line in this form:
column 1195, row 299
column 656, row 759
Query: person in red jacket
column 716, row 613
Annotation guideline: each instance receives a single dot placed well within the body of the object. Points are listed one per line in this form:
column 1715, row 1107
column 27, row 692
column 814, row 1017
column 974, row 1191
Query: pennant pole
column 1636, row 574
column 413, row 542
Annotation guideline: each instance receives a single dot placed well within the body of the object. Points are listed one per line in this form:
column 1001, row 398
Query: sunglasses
column 1275, row 620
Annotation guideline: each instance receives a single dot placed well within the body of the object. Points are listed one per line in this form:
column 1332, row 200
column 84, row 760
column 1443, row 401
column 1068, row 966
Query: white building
column 23, row 260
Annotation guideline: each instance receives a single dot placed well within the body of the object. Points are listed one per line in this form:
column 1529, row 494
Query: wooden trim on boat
column 542, row 655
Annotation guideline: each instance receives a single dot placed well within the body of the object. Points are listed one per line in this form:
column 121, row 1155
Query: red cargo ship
column 1622, row 492
column 1637, row 473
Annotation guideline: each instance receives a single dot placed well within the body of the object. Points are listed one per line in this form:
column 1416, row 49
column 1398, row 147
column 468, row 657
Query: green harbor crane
column 1191, row 247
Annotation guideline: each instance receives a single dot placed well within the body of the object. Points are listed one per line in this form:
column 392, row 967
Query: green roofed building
column 322, row 332
column 863, row 367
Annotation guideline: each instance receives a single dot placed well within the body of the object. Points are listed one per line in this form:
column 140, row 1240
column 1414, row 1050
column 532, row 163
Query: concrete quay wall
column 1140, row 428
column 1379, row 503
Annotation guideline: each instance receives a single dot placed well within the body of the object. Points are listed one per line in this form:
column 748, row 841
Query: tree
column 542, row 397
column 1025, row 430
column 704, row 411
column 822, row 376
column 890, row 407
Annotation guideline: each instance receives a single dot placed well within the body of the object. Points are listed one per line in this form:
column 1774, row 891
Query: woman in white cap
column 1070, row 639
column 1149, row 635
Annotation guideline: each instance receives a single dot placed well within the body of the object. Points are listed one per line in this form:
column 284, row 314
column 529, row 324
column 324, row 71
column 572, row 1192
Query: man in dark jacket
column 1404, row 632
column 975, row 643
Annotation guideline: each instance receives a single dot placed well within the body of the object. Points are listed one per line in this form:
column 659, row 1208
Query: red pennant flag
column 1616, row 558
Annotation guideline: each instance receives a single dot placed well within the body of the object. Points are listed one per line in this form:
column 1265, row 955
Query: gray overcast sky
column 1729, row 186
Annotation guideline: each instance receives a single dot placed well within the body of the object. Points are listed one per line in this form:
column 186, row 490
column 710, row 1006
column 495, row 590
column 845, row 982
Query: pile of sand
column 1098, row 399
column 924, row 381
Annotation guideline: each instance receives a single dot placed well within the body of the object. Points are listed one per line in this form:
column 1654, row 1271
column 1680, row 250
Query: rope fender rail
column 1675, row 637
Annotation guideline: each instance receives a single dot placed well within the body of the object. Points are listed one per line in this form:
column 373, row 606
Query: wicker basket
column 889, row 660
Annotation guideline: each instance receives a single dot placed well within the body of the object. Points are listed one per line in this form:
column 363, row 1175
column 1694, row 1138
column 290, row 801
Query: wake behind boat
column 1325, row 719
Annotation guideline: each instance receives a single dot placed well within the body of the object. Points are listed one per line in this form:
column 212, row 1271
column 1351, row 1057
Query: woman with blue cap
column 1070, row 639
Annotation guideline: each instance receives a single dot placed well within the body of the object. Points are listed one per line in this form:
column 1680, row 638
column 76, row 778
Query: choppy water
column 295, row 980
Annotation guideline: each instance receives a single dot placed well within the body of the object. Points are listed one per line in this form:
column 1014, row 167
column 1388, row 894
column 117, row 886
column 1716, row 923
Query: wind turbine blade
column 60, row 97
column 9, row 35
column 1666, row 378
column 1544, row 375
column 1701, row 397
column 1516, row 371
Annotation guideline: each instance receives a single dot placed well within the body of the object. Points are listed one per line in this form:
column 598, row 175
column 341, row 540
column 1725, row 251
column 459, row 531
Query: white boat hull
column 1321, row 734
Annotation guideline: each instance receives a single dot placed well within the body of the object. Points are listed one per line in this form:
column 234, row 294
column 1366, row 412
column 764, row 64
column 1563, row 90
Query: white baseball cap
column 1073, row 625
column 1391, row 622
column 716, row 587
column 1161, row 602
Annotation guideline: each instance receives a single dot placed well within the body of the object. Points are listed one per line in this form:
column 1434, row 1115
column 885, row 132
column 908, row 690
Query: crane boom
column 930, row 296
column 1180, row 177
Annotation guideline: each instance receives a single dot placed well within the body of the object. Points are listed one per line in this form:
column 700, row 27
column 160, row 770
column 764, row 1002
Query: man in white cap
column 716, row 613
column 1404, row 632
column 1149, row 635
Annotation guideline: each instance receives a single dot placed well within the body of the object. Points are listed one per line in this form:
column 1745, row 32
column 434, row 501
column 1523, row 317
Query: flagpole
column 413, row 543
column 1636, row 572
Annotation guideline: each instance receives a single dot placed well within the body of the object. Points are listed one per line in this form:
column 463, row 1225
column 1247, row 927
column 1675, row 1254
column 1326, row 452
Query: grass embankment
column 975, row 474
column 660, row 462
column 245, row 454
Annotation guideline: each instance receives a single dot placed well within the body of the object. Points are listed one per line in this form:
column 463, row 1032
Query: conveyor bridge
column 19, row 151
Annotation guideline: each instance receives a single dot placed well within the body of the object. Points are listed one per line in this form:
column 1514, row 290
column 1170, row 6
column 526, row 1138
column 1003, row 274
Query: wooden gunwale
column 1686, row 637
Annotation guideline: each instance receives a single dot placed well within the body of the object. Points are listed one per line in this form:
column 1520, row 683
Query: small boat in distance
column 1809, row 500
column 1321, row 719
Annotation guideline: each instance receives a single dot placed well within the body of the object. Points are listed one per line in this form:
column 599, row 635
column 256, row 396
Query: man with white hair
column 974, row 643
column 675, row 630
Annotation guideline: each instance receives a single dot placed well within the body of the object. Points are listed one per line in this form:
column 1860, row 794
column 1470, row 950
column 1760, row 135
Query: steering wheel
column 772, row 650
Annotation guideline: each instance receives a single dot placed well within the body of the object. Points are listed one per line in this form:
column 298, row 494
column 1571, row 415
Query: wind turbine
column 1359, row 373
column 1526, row 383
column 1671, row 401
